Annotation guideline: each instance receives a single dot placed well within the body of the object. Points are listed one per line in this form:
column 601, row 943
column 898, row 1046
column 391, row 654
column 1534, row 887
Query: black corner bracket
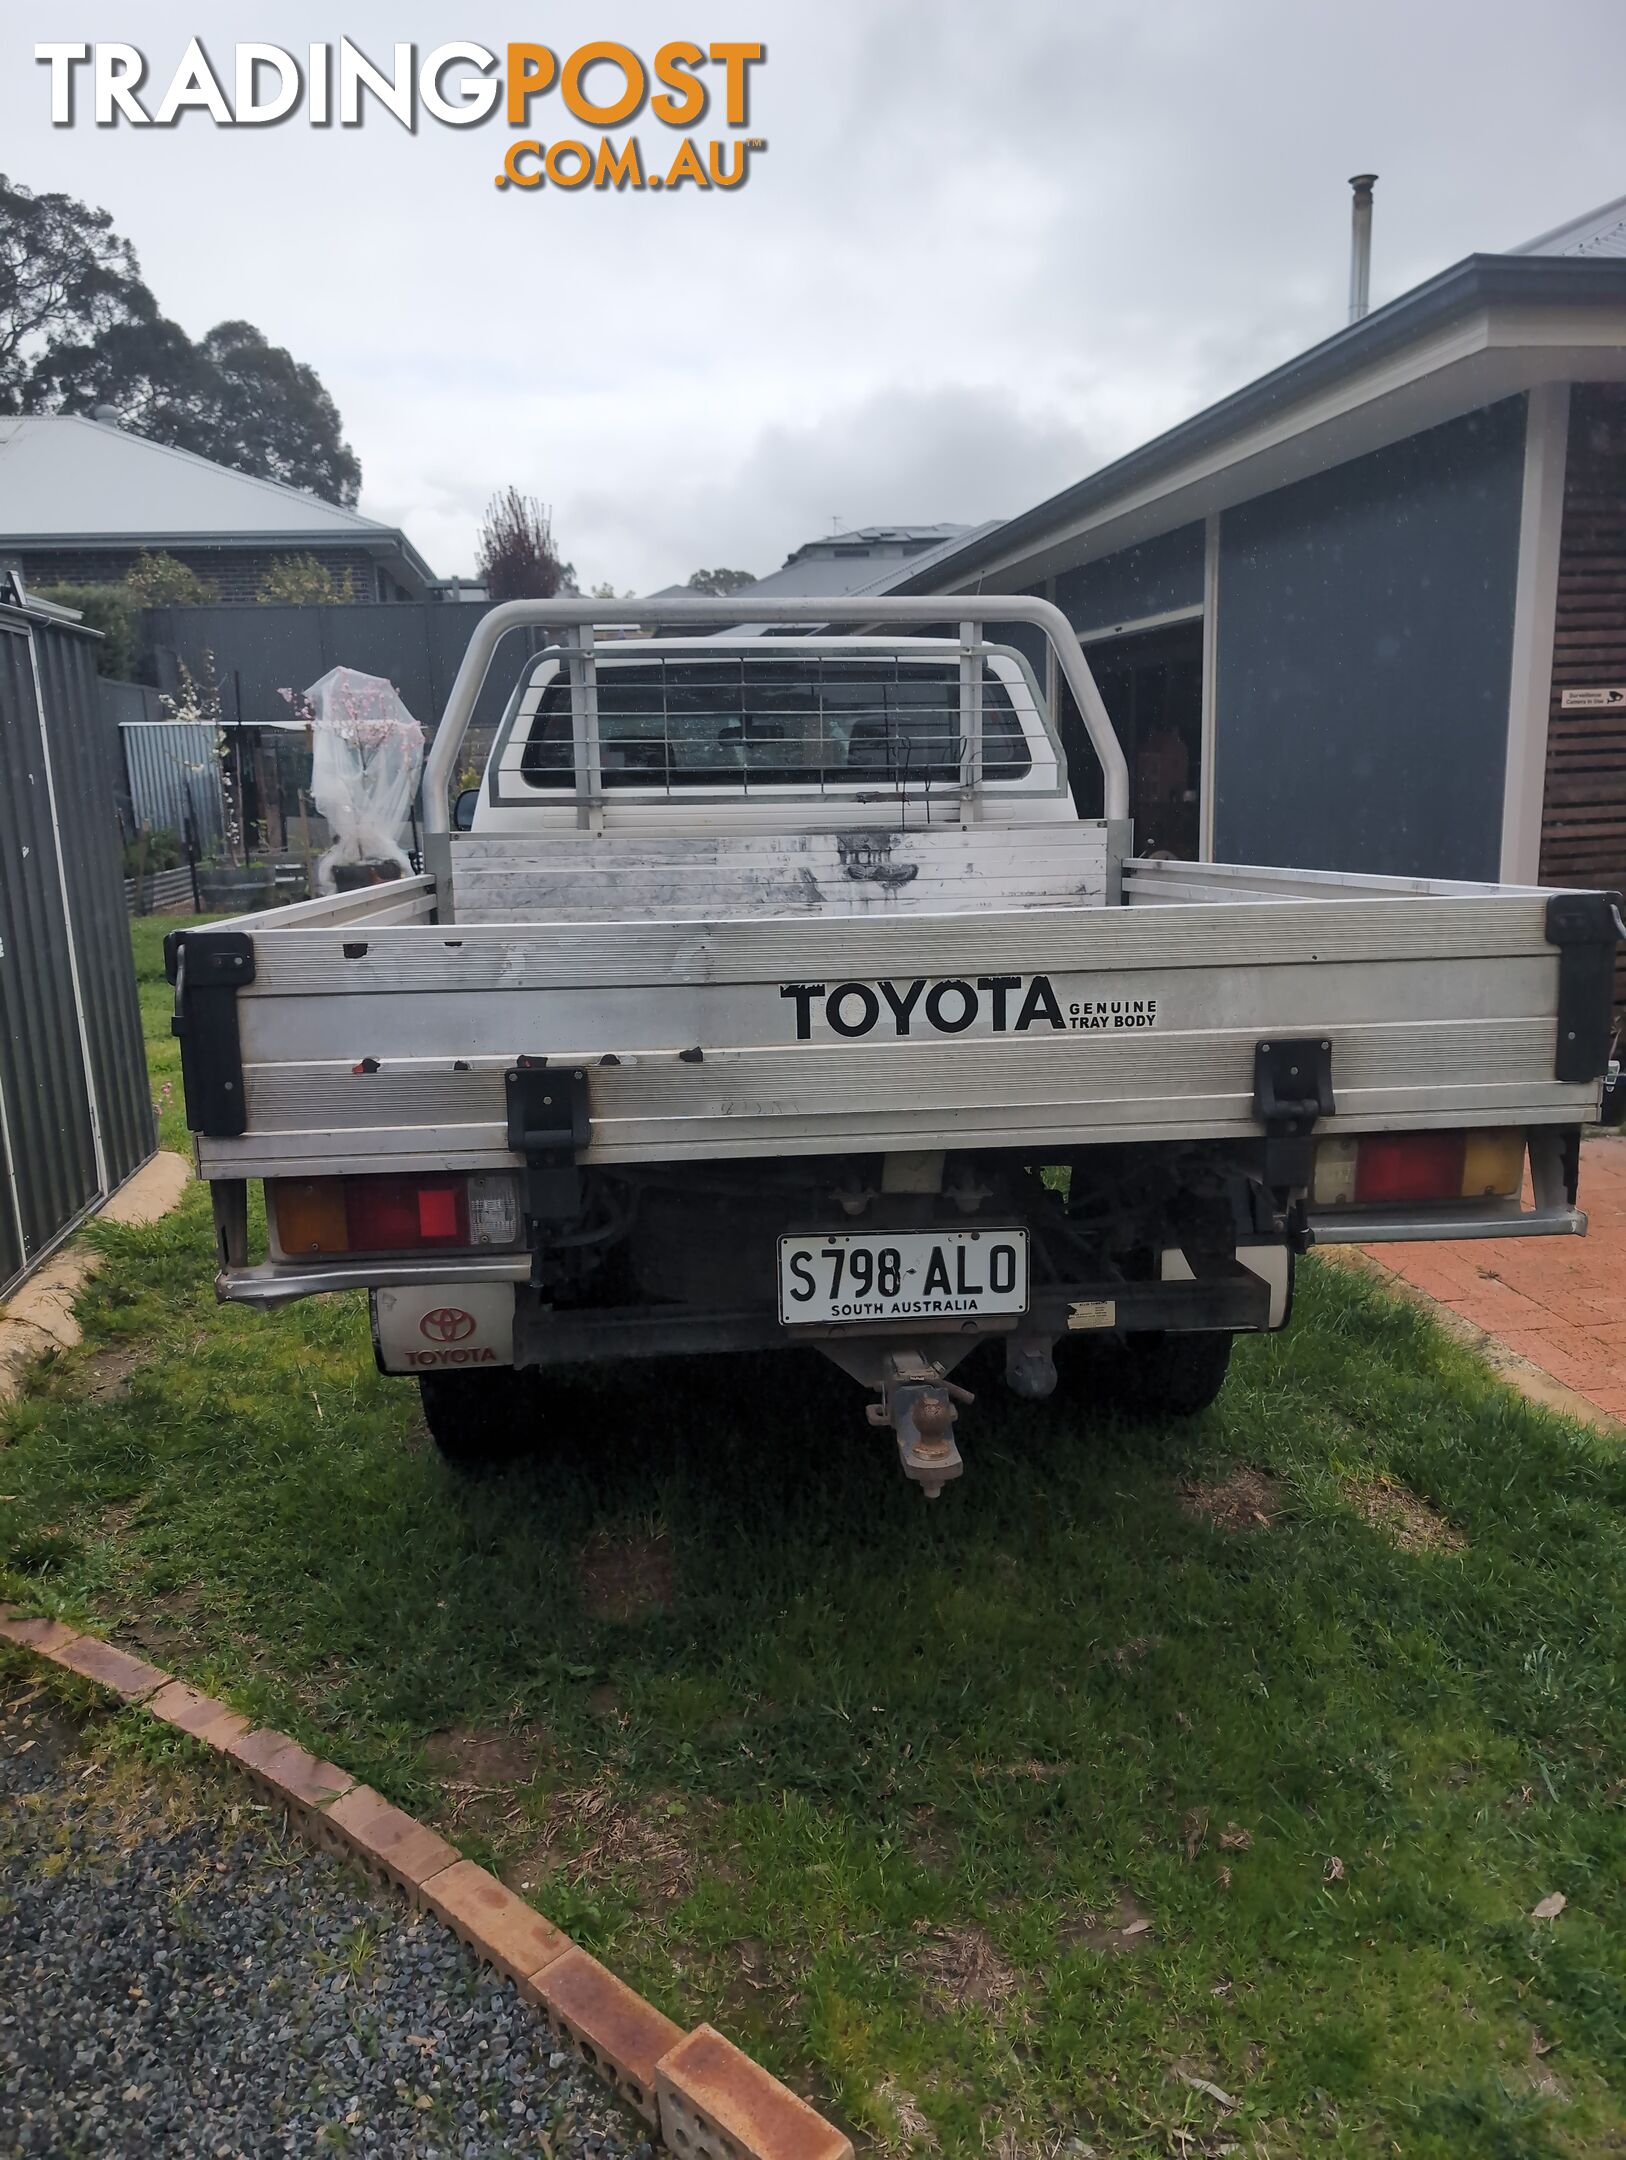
column 549, row 1123
column 208, row 968
column 1582, row 926
column 1292, row 1088
column 1292, row 1084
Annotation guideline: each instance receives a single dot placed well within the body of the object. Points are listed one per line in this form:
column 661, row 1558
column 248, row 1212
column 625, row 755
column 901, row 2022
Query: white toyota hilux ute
column 769, row 991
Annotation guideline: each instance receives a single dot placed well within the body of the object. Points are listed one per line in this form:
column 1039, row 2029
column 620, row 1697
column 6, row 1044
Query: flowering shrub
column 199, row 701
column 165, row 581
column 302, row 581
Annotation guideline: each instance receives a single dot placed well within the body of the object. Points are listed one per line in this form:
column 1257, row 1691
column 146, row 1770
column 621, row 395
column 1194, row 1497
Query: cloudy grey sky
column 988, row 247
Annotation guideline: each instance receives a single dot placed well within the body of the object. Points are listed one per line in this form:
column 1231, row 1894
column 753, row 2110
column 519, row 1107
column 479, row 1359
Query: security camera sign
column 1610, row 699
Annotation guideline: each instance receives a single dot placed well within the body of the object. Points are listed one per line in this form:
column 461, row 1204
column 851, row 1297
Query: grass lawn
column 887, row 1789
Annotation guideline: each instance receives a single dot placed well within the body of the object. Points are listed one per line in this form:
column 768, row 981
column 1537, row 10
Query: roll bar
column 967, row 609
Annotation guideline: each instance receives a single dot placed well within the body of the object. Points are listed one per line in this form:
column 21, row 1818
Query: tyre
column 481, row 1421
column 1161, row 1375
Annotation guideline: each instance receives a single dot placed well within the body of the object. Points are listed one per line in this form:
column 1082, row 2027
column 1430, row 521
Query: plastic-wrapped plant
column 366, row 754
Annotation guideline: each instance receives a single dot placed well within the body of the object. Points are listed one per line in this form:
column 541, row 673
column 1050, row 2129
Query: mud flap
column 443, row 1327
column 1273, row 1264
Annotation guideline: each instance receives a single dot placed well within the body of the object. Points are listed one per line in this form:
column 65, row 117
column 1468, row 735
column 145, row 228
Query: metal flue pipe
column 1360, row 243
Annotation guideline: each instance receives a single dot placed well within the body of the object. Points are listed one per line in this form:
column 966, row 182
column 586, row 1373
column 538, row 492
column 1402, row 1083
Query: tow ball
column 921, row 1405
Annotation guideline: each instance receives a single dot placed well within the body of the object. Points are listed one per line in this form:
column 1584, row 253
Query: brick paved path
column 1558, row 1302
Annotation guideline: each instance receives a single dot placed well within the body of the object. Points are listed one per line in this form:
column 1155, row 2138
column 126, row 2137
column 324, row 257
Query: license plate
column 902, row 1275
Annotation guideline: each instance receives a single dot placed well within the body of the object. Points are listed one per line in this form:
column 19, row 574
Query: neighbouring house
column 869, row 559
column 863, row 560
column 81, row 500
column 1369, row 612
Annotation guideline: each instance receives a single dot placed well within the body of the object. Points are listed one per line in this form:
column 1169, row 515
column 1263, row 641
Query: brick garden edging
column 706, row 2099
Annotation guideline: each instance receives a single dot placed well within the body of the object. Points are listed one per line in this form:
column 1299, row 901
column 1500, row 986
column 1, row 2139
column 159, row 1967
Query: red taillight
column 438, row 1212
column 1409, row 1166
column 399, row 1214
column 331, row 1215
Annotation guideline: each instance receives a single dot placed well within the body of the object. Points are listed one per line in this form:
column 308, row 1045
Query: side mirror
column 463, row 809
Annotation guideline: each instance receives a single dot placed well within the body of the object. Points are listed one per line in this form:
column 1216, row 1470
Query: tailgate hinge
column 550, row 1124
column 208, row 968
column 1292, row 1084
column 1582, row 926
column 1292, row 1088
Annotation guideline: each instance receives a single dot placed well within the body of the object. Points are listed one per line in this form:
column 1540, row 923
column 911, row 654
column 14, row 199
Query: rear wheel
column 481, row 1421
column 1160, row 1375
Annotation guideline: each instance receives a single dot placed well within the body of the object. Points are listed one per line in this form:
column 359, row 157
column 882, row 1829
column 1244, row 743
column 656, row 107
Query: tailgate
column 1066, row 1025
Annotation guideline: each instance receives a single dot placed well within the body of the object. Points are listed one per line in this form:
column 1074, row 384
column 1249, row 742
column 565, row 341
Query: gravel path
column 175, row 1979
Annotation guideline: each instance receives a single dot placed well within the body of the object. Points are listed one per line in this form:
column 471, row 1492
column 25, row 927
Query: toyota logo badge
column 447, row 1323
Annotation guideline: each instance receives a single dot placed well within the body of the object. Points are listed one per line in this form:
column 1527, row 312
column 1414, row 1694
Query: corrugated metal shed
column 75, row 1113
column 175, row 776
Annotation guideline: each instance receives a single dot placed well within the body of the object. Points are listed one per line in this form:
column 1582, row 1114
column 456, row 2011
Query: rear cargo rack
column 573, row 623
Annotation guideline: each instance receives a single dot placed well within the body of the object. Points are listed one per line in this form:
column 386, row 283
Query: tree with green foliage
column 719, row 584
column 79, row 330
column 66, row 279
column 303, row 581
column 262, row 411
column 165, row 581
column 113, row 611
column 146, row 373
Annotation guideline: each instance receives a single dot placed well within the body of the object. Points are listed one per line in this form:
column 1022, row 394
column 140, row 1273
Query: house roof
column 817, row 577
column 873, row 540
column 67, row 481
column 836, row 562
column 955, row 537
column 1488, row 327
column 809, row 575
column 810, row 572
column 1600, row 232
column 828, row 566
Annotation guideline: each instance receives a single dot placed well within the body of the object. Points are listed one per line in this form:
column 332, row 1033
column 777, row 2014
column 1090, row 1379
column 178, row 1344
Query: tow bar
column 921, row 1405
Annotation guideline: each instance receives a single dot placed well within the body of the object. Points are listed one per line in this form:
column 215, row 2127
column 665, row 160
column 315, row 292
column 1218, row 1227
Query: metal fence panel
column 174, row 772
column 107, row 985
column 253, row 652
column 49, row 1139
column 163, row 892
column 75, row 1115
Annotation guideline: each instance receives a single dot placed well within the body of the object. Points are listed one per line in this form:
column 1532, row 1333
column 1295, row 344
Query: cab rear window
column 823, row 722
